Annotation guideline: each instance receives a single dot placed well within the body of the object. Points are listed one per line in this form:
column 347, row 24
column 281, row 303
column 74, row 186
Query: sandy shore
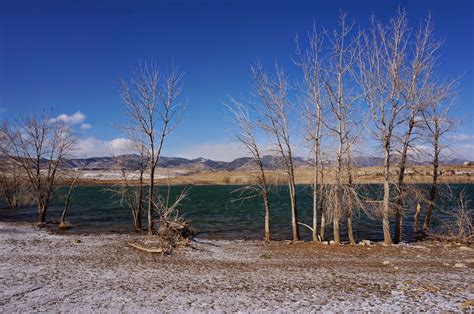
column 45, row 272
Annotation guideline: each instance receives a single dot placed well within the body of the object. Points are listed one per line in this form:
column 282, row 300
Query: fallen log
column 148, row 250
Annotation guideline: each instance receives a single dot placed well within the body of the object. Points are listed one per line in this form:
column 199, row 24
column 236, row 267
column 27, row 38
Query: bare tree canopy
column 39, row 145
column 273, row 109
column 152, row 104
column 245, row 134
column 381, row 64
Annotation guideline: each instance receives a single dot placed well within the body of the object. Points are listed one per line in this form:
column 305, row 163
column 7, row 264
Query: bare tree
column 437, row 123
column 341, row 94
column 310, row 63
column 77, row 174
column 13, row 187
column 245, row 134
column 13, row 184
column 274, row 118
column 383, row 55
column 170, row 219
column 416, row 91
column 173, row 230
column 461, row 227
column 131, row 188
column 153, row 108
column 40, row 145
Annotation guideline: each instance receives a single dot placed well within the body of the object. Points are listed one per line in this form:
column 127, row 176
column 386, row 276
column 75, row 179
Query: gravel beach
column 40, row 271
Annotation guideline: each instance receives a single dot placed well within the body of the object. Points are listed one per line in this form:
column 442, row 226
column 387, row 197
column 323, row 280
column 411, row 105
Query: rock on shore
column 46, row 272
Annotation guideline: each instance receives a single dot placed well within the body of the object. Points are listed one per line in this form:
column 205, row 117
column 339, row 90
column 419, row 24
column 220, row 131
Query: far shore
column 368, row 175
column 41, row 271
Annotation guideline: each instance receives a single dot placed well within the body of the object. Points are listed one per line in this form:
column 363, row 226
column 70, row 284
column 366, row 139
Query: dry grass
column 305, row 176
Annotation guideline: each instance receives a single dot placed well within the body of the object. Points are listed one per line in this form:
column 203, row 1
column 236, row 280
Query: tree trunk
column 264, row 188
column 294, row 210
column 386, row 197
column 315, row 196
column 337, row 238
column 416, row 220
column 267, row 216
column 336, row 220
column 138, row 215
column 350, row 205
column 322, row 229
column 433, row 191
column 349, row 229
column 401, row 182
column 429, row 211
column 338, row 208
column 322, row 232
column 317, row 174
column 150, row 200
column 315, row 214
column 42, row 213
column 62, row 223
column 398, row 222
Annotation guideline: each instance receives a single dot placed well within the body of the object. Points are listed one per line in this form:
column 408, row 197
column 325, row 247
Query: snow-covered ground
column 47, row 272
column 118, row 175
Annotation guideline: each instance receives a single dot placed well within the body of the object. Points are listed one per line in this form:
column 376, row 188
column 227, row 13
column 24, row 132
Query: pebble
column 467, row 304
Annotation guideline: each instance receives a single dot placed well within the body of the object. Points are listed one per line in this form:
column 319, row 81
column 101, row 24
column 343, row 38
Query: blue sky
column 69, row 56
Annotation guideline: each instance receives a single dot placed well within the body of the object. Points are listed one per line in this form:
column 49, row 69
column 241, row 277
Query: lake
column 211, row 210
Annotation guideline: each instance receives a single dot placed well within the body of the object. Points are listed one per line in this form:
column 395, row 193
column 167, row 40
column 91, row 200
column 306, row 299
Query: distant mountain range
column 130, row 162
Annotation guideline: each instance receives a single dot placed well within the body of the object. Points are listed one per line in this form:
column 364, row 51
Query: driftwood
column 148, row 250
column 303, row 224
column 169, row 236
column 318, row 237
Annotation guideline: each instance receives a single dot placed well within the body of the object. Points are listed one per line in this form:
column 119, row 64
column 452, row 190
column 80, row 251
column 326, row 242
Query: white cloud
column 75, row 118
column 85, row 126
column 93, row 147
column 120, row 146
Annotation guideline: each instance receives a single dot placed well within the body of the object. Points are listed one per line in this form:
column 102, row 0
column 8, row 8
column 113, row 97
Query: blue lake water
column 211, row 210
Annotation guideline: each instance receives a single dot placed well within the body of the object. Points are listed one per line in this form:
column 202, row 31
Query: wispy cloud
column 461, row 137
column 215, row 151
column 465, row 151
column 75, row 118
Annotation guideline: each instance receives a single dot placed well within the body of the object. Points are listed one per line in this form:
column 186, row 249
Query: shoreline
column 100, row 272
column 304, row 176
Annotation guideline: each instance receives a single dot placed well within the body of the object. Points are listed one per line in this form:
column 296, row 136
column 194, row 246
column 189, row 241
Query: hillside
column 130, row 162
